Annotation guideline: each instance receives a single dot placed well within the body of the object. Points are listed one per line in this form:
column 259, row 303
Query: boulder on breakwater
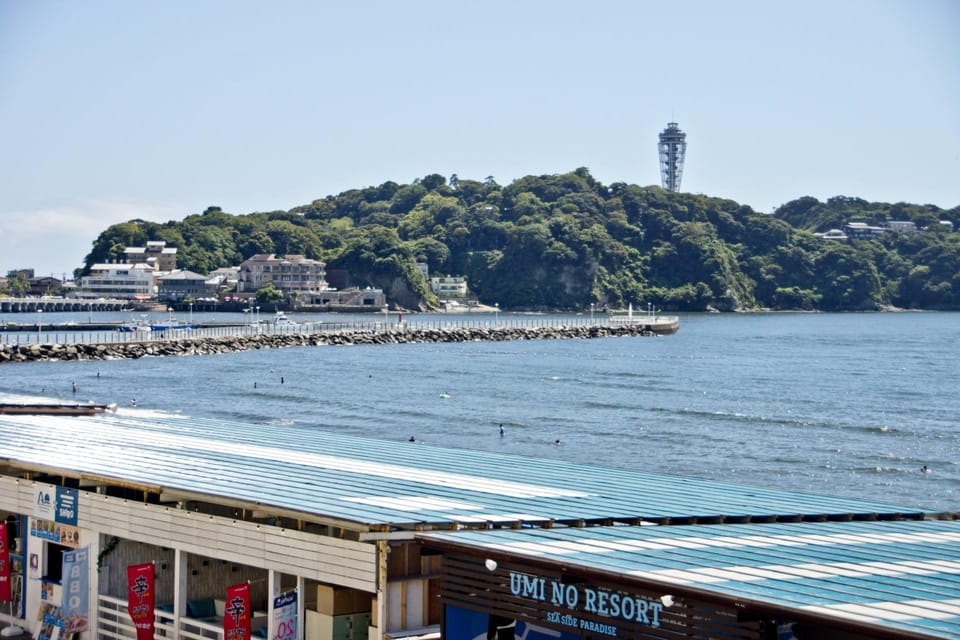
column 228, row 344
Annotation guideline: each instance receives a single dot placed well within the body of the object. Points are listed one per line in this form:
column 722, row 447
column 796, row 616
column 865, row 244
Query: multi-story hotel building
column 292, row 273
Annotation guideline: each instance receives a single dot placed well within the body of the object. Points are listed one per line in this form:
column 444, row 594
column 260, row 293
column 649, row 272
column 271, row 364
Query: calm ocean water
column 843, row 404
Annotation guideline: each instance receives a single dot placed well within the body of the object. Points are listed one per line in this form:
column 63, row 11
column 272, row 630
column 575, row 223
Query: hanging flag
column 285, row 616
column 140, row 598
column 236, row 613
column 5, row 591
column 76, row 572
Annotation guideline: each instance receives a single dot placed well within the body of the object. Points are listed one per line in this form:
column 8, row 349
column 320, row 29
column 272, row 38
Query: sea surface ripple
column 852, row 405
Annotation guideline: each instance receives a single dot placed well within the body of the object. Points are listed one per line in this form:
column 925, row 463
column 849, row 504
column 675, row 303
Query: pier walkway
column 100, row 345
column 54, row 305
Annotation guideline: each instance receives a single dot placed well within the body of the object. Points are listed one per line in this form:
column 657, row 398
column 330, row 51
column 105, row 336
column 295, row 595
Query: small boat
column 36, row 409
column 171, row 323
column 282, row 320
column 134, row 328
column 174, row 324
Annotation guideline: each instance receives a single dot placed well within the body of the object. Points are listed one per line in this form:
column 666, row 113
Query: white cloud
column 55, row 240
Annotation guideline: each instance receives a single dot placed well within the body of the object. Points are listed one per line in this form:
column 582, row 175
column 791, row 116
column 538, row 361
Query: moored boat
column 175, row 324
column 134, row 328
column 282, row 320
column 40, row 408
column 171, row 323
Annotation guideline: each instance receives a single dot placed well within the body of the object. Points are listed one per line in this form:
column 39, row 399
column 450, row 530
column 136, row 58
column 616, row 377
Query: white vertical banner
column 285, row 616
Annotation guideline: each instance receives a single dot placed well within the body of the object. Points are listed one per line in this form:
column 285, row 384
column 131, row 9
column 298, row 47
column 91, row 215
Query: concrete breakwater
column 227, row 344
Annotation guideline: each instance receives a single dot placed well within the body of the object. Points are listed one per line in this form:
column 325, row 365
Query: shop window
column 53, row 571
column 12, row 532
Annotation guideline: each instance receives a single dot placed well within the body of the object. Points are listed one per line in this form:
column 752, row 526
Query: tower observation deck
column 673, row 146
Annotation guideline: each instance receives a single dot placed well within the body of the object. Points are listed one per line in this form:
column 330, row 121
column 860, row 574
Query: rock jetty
column 229, row 344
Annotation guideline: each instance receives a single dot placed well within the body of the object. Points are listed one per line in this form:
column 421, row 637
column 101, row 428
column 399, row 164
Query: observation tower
column 673, row 146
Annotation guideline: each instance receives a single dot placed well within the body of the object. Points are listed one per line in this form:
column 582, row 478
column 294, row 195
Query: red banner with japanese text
column 236, row 613
column 140, row 599
column 5, row 591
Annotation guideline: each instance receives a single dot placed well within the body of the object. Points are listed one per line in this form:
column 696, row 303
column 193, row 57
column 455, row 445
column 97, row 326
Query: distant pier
column 54, row 305
column 267, row 337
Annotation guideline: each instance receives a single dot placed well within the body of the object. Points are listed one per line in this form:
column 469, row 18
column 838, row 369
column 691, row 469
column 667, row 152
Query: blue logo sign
column 67, row 502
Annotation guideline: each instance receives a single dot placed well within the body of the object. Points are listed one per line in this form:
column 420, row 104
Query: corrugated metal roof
column 374, row 482
column 903, row 575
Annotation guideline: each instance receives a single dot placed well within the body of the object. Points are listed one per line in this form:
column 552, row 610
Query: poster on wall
column 51, row 622
column 462, row 624
column 76, row 568
column 6, row 593
column 141, row 598
column 285, row 616
column 62, row 534
column 236, row 613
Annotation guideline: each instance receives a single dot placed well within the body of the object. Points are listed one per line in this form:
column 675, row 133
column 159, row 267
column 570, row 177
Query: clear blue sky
column 112, row 110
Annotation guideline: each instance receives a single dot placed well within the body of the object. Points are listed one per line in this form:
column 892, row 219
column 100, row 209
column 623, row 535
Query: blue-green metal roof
column 903, row 575
column 383, row 483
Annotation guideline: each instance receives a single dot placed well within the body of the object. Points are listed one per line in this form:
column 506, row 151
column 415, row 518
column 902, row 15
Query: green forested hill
column 566, row 241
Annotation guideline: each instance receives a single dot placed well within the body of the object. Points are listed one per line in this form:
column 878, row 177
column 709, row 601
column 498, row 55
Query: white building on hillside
column 157, row 254
column 292, row 273
column 902, row 226
column 118, row 280
column 860, row 230
column 833, row 234
column 449, row 286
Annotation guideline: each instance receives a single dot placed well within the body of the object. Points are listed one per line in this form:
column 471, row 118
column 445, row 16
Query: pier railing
column 76, row 334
